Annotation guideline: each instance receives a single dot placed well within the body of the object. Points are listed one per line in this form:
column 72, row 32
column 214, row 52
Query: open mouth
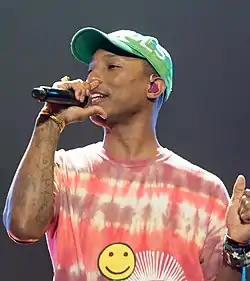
column 120, row 272
column 97, row 97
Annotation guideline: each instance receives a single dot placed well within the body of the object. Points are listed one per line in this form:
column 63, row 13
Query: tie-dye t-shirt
column 158, row 219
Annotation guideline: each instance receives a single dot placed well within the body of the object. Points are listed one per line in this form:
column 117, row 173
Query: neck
column 132, row 141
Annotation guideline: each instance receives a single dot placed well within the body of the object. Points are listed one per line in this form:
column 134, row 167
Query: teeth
column 97, row 95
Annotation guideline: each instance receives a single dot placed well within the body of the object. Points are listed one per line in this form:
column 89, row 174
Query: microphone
column 66, row 97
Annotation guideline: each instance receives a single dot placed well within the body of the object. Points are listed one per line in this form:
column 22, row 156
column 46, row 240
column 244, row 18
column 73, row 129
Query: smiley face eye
column 111, row 254
column 125, row 254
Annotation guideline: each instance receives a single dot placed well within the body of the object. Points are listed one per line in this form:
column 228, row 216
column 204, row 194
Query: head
column 130, row 85
column 135, row 74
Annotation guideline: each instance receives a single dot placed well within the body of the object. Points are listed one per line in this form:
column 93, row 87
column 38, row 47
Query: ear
column 156, row 87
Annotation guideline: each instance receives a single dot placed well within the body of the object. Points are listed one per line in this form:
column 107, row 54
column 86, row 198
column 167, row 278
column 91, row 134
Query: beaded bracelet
column 236, row 254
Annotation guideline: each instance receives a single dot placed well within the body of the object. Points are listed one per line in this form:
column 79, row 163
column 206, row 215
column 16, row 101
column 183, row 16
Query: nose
column 95, row 74
column 94, row 78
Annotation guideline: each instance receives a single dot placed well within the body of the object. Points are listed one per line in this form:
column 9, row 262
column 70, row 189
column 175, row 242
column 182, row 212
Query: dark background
column 206, row 119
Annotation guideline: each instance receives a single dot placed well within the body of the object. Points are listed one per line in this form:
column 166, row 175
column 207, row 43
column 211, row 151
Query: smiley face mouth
column 120, row 272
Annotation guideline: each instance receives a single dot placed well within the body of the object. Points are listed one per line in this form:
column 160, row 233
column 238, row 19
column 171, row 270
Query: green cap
column 88, row 40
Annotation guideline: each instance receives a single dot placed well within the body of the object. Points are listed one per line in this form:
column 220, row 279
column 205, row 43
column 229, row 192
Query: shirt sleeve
column 211, row 258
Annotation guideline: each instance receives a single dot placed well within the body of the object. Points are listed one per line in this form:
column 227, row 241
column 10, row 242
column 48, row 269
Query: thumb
column 238, row 189
column 95, row 110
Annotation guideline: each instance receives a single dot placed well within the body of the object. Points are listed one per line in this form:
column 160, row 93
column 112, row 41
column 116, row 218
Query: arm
column 227, row 273
column 213, row 265
column 29, row 205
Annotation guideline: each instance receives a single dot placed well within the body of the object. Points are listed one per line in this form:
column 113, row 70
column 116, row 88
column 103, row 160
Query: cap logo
column 150, row 44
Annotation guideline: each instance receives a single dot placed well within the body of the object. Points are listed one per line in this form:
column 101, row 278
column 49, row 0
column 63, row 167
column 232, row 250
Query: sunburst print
column 156, row 266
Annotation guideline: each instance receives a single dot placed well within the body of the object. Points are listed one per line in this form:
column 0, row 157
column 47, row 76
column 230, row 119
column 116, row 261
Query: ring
column 65, row 78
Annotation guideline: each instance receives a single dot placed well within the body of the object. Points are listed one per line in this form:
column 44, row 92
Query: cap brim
column 88, row 40
column 85, row 43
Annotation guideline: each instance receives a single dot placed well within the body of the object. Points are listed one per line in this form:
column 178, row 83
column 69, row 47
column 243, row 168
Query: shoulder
column 78, row 156
column 197, row 178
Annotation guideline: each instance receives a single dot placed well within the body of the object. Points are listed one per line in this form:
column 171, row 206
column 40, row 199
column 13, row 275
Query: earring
column 154, row 88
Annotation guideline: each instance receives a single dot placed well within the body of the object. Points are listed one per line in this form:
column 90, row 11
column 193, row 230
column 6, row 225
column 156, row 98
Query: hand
column 72, row 114
column 238, row 212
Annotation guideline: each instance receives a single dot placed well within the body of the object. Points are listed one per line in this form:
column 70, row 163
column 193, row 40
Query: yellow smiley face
column 116, row 261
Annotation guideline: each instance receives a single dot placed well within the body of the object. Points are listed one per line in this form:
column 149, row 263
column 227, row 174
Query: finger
column 75, row 85
column 65, row 78
column 245, row 199
column 81, row 89
column 247, row 193
column 244, row 205
column 65, row 83
column 95, row 110
column 93, row 84
column 238, row 189
column 87, row 89
column 245, row 217
column 61, row 85
column 84, row 88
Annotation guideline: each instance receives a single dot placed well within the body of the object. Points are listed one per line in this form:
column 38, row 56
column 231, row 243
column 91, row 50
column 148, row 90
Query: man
column 125, row 208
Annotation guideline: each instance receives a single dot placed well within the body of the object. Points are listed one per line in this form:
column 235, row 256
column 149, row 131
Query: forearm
column 29, row 205
column 227, row 273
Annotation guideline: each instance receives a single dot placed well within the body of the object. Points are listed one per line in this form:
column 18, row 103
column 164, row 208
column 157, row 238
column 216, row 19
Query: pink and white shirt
column 169, row 212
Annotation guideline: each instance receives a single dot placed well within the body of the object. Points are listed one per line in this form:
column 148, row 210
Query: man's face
column 122, row 82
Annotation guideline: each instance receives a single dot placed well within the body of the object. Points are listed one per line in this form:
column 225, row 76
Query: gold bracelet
column 59, row 121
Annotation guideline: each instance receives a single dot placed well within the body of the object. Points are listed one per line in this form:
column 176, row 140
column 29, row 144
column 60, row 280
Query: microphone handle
column 64, row 97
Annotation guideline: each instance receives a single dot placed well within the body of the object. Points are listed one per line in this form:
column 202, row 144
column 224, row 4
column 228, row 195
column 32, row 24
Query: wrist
column 236, row 243
column 57, row 118
column 236, row 254
column 58, row 121
column 53, row 122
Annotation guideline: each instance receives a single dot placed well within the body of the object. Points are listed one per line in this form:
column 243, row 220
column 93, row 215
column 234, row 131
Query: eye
column 125, row 254
column 111, row 254
column 112, row 66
